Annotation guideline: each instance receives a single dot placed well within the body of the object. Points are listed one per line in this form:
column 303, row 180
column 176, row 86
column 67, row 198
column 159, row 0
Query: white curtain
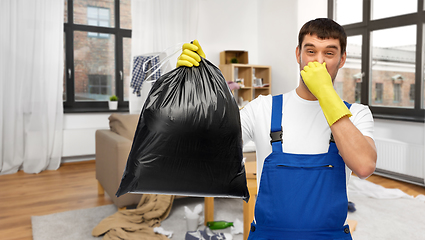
column 161, row 26
column 31, row 76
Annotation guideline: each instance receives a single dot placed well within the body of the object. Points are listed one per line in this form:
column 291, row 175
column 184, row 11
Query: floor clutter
column 137, row 223
column 206, row 234
column 381, row 214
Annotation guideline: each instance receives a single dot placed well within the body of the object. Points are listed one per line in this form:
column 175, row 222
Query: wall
column 402, row 146
column 79, row 134
column 228, row 25
column 278, row 26
column 277, row 40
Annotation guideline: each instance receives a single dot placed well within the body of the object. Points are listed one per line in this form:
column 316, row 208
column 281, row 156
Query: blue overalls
column 301, row 196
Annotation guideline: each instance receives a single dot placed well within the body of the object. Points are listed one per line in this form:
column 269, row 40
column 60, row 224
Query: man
column 307, row 141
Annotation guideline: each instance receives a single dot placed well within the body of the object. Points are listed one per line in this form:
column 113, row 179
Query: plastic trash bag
column 188, row 140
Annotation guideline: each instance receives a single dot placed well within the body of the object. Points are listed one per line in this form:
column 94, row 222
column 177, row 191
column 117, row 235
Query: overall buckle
column 276, row 136
column 331, row 139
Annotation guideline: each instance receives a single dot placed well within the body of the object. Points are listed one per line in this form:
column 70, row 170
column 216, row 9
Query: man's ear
column 297, row 54
column 342, row 61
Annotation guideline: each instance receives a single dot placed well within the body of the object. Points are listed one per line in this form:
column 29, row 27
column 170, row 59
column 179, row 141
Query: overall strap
column 347, row 104
column 276, row 124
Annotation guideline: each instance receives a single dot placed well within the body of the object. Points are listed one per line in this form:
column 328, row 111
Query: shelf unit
column 248, row 72
column 227, row 56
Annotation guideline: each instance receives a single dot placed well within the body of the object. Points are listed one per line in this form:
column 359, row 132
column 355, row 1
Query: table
column 248, row 208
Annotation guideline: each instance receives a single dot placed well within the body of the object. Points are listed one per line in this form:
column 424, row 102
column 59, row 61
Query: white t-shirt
column 305, row 129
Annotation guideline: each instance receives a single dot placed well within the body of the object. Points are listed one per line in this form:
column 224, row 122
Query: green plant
column 113, row 98
column 234, row 60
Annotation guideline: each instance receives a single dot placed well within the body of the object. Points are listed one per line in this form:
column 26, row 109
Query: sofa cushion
column 124, row 124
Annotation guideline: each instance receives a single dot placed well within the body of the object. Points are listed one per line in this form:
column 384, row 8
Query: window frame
column 364, row 28
column 72, row 106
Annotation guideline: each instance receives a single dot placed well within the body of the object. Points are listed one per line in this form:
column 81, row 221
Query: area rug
column 70, row 225
column 386, row 214
column 78, row 224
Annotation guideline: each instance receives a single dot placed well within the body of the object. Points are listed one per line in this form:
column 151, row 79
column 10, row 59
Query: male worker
column 307, row 141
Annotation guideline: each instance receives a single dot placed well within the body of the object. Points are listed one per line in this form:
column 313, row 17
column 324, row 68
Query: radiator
column 400, row 159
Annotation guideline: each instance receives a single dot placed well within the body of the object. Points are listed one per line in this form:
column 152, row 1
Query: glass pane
column 94, row 10
column 94, row 66
column 391, row 8
column 125, row 14
column 423, row 66
column 92, row 22
column 65, row 9
column 103, row 14
column 103, row 24
column 64, row 68
column 349, row 79
column 126, row 45
column 347, row 12
column 393, row 66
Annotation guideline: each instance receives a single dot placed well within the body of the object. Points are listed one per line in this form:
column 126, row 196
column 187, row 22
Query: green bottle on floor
column 214, row 225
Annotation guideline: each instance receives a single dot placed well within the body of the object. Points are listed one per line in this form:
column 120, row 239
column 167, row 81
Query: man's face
column 321, row 50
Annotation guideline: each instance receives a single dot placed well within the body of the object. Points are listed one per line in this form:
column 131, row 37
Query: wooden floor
column 74, row 187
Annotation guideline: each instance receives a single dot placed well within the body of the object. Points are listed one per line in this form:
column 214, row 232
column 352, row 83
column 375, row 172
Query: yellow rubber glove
column 190, row 54
column 319, row 82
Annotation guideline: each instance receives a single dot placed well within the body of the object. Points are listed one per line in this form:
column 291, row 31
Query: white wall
column 228, row 25
column 277, row 40
column 79, row 133
column 278, row 26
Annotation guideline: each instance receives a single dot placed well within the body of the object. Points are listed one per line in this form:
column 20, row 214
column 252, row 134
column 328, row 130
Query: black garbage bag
column 188, row 140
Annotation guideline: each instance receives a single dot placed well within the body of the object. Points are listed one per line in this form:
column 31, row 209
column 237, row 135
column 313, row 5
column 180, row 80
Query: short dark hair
column 324, row 28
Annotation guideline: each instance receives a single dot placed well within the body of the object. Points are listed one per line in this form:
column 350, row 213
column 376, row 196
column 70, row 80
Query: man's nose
column 320, row 58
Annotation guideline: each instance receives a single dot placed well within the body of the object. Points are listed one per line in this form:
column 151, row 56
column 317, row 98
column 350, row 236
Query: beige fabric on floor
column 137, row 223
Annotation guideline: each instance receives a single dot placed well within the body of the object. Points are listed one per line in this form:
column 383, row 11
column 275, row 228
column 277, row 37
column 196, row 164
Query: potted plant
column 113, row 102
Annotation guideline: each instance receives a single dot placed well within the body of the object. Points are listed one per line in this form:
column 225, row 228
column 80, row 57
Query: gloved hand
column 319, row 82
column 190, row 54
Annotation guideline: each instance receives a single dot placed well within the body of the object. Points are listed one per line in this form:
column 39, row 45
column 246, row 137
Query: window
column 393, row 62
column 397, row 93
column 97, row 54
column 412, row 92
column 357, row 95
column 351, row 73
column 348, row 12
column 378, row 92
column 99, row 86
column 418, row 88
column 339, row 88
column 97, row 16
column 389, row 8
column 385, row 56
column 93, row 57
column 127, row 62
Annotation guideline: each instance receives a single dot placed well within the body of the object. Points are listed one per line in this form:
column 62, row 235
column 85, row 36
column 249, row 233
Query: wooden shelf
column 247, row 72
column 227, row 56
